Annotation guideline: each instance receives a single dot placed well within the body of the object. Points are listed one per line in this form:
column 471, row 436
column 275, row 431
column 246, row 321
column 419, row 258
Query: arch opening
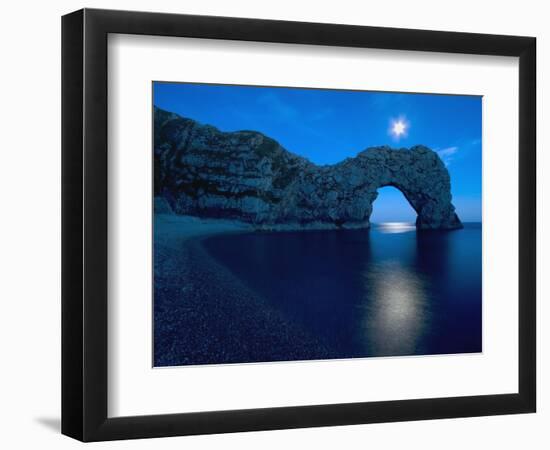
column 392, row 206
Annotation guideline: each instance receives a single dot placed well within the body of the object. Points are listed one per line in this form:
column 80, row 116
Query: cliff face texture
column 247, row 176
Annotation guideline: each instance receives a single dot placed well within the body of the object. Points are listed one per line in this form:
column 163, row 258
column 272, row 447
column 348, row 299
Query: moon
column 398, row 128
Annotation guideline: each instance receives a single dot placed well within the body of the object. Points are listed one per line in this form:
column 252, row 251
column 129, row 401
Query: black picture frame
column 85, row 236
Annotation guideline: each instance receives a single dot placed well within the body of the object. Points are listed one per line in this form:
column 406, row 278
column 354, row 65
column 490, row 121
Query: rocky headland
column 250, row 177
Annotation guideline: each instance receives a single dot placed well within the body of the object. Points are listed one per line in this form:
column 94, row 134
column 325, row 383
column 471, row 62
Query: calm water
column 387, row 291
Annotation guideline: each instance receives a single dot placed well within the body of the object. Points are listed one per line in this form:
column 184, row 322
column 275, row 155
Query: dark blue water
column 385, row 291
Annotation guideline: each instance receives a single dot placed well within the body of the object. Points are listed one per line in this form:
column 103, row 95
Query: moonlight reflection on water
column 394, row 227
column 395, row 311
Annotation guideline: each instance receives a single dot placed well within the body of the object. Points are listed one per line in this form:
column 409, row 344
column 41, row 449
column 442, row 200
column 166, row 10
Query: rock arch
column 432, row 211
column 248, row 176
column 420, row 175
column 343, row 194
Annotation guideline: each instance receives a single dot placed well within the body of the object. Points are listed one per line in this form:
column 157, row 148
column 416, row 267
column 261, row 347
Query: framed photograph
column 273, row 224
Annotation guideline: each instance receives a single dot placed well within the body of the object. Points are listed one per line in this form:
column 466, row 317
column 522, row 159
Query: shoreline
column 204, row 314
column 196, row 226
column 188, row 227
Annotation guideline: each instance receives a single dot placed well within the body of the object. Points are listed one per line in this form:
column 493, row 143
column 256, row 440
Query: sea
column 390, row 290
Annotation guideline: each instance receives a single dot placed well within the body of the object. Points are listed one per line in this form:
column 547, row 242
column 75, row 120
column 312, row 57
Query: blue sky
column 327, row 126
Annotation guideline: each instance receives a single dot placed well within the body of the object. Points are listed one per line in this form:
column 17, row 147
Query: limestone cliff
column 248, row 176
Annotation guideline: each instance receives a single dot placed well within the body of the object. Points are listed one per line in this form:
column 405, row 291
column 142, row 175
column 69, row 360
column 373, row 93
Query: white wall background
column 30, row 223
